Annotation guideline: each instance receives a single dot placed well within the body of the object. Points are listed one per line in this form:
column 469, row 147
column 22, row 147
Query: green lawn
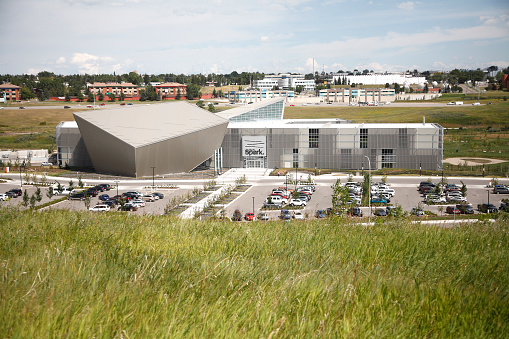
column 70, row 274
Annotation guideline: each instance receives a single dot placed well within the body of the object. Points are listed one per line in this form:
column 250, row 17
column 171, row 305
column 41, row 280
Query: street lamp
column 488, row 191
column 116, row 182
column 369, row 190
column 420, row 169
column 153, row 182
column 253, row 205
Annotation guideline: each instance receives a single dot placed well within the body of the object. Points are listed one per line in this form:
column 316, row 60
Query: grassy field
column 69, row 274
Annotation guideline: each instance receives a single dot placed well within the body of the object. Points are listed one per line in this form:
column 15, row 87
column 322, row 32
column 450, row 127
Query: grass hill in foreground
column 71, row 274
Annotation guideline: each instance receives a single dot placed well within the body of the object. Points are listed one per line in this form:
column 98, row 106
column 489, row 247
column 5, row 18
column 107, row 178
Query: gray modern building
column 177, row 137
column 140, row 140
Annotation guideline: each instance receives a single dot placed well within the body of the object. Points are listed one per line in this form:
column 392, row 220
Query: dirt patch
column 472, row 161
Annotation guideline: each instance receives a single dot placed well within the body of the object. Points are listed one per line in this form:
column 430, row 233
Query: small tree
column 80, row 182
column 122, row 96
column 43, row 179
column 49, row 192
column 212, row 108
column 384, row 179
column 200, row 104
column 80, row 96
column 340, row 197
column 32, row 201
column 101, row 96
column 86, row 201
column 350, row 177
column 90, row 97
column 179, row 95
column 60, row 188
column 38, row 195
column 71, row 185
column 112, row 97
column 463, row 189
column 26, row 198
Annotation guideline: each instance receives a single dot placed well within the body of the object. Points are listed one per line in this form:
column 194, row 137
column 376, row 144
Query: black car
column 504, row 207
column 99, row 188
column 67, row 107
column 14, row 193
column 356, row 212
column 487, row 208
column 465, row 209
column 77, row 196
column 159, row 195
column 105, row 187
column 21, row 107
column 127, row 207
column 92, row 192
column 380, row 212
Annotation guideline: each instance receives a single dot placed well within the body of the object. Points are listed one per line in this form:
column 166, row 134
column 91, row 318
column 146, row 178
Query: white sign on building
column 254, row 145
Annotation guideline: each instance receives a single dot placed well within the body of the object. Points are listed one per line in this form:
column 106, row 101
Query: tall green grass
column 70, row 274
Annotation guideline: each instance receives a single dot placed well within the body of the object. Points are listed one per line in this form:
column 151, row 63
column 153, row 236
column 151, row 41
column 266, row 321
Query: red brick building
column 12, row 92
column 169, row 90
column 129, row 90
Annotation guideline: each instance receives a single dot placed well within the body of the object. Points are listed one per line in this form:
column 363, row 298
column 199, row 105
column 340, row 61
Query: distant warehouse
column 178, row 137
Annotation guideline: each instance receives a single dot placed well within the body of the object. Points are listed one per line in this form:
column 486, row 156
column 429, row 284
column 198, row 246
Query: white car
column 138, row 202
column 476, row 104
column 100, row 208
column 456, row 198
column 451, row 103
column 4, row 197
column 298, row 215
column 149, row 198
column 297, row 202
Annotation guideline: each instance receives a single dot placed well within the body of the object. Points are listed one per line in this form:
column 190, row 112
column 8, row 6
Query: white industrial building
column 285, row 81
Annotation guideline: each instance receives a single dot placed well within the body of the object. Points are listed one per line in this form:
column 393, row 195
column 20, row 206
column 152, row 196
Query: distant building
column 356, row 95
column 12, row 92
column 256, row 96
column 169, row 90
column 129, row 89
column 380, row 79
column 285, row 81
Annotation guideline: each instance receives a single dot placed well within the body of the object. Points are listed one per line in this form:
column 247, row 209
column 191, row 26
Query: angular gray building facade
column 140, row 140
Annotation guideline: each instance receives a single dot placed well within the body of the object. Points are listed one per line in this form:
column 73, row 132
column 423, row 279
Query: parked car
column 21, row 107
column 504, row 207
column 297, row 202
column 501, row 190
column 250, row 217
column 487, row 208
column 377, row 200
column 320, row 214
column 452, row 210
column 127, row 207
column 149, row 198
column 77, row 196
column 159, row 195
column 104, row 197
column 67, row 107
column 138, row 202
column 45, row 163
column 465, row 209
column 100, row 208
column 380, row 212
column 264, row 216
column 14, row 193
column 92, row 192
column 298, row 215
column 105, row 187
column 285, row 215
column 102, row 104
column 272, row 205
column 356, row 212
column 4, row 197
column 418, row 212
column 456, row 198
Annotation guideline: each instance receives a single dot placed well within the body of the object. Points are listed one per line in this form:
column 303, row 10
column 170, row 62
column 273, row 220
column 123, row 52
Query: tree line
column 47, row 84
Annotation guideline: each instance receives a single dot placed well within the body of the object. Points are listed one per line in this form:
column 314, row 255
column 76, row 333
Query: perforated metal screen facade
column 339, row 146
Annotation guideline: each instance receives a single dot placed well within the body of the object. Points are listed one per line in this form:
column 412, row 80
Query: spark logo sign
column 254, row 145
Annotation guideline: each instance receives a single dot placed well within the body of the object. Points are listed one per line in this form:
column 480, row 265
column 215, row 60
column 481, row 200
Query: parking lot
column 252, row 200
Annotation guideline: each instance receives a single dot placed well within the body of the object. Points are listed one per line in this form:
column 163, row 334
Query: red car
column 452, row 210
column 250, row 217
column 103, row 104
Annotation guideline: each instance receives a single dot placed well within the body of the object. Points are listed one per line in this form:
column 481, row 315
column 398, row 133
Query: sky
column 270, row 36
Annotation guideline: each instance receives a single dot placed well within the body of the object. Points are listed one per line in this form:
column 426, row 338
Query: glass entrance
column 254, row 163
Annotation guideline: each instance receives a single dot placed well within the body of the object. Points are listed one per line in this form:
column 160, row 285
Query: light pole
column 420, row 169
column 153, row 182
column 488, row 191
column 369, row 190
column 253, row 205
column 116, row 182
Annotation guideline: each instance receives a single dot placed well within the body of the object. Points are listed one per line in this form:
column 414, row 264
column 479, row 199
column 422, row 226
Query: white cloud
column 61, row 60
column 264, row 38
column 409, row 5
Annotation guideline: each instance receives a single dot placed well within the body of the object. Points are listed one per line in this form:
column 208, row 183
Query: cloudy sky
column 221, row 36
